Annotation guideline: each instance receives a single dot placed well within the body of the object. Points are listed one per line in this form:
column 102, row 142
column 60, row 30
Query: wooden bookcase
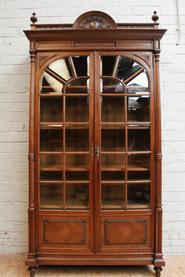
column 95, row 143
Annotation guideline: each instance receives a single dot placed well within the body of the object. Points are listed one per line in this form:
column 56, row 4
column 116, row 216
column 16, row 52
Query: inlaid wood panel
column 124, row 232
column 64, row 232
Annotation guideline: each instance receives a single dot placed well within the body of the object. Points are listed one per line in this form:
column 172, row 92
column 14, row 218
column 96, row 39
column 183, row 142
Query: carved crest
column 94, row 20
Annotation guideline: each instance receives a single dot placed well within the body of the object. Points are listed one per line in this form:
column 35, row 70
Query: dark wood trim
column 31, row 259
column 158, row 261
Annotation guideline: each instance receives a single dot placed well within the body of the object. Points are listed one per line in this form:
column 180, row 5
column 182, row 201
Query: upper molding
column 94, row 25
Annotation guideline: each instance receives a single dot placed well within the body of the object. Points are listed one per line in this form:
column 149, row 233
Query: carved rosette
column 94, row 22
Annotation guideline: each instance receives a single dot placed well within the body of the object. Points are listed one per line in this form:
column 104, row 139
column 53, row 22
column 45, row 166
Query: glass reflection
column 77, row 196
column 62, row 68
column 51, row 196
column 113, row 140
column 112, row 196
column 51, row 162
column 113, row 175
column 139, row 84
column 113, row 162
column 77, row 162
column 78, row 175
column 139, row 108
column 50, row 84
column 51, row 109
column 112, row 109
column 81, row 65
column 74, row 141
column 51, row 140
column 111, row 85
column 138, row 162
column 77, row 109
column 125, row 70
column 138, row 139
column 138, row 195
column 80, row 85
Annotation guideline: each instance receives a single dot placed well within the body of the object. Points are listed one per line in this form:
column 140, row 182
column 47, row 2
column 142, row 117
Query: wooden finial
column 33, row 18
column 155, row 17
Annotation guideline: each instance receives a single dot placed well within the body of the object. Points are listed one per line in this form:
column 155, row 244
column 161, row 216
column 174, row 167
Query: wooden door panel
column 61, row 233
column 125, row 232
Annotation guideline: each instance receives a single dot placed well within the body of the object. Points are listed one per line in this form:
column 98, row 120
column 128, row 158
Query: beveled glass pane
column 77, row 196
column 51, row 109
column 113, row 139
column 126, row 68
column 111, row 85
column 77, row 139
column 138, row 195
column 112, row 109
column 80, row 85
column 78, row 162
column 77, row 176
column 50, row 85
column 138, row 139
column 139, row 108
column 113, row 162
column 51, row 162
column 81, row 64
column 138, row 162
column 77, row 109
column 113, row 176
column 51, row 196
column 139, row 84
column 51, row 140
column 51, row 175
column 62, row 68
column 112, row 196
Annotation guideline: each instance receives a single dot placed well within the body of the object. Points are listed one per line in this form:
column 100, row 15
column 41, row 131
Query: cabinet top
column 93, row 25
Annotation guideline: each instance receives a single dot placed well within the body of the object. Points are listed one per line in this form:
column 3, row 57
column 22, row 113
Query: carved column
column 158, row 259
column 31, row 210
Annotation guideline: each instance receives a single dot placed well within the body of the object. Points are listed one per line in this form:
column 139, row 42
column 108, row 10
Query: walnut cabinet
column 95, row 143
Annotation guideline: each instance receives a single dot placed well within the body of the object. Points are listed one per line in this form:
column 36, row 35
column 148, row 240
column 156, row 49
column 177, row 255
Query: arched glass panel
column 64, row 120
column 125, row 134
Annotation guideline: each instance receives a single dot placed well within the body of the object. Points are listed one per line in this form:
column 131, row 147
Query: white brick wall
column 14, row 82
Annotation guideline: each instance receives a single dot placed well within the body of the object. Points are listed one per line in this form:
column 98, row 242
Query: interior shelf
column 121, row 168
column 109, row 206
column 112, row 125
column 50, row 182
column 76, row 94
column 51, row 125
column 137, row 206
column 51, row 94
column 77, row 125
column 51, row 204
column 51, row 169
column 77, row 169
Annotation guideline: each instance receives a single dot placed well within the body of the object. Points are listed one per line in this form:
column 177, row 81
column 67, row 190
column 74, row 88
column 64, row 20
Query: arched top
column 94, row 20
column 118, row 73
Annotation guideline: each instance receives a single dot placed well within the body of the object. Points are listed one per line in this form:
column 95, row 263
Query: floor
column 13, row 266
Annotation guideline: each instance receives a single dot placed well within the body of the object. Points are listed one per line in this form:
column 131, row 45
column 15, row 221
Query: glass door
column 95, row 138
column 65, row 144
column 125, row 140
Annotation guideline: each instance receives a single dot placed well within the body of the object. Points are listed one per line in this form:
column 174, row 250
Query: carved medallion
column 94, row 20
